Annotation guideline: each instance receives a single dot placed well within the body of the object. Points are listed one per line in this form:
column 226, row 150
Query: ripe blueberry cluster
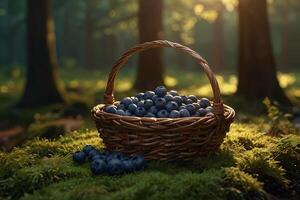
column 112, row 163
column 161, row 103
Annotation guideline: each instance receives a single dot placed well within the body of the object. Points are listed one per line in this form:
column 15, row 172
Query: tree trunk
column 218, row 42
column 89, row 34
column 285, row 38
column 150, row 71
column 41, row 85
column 256, row 71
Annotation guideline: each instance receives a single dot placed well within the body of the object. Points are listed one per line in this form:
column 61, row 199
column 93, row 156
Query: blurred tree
column 41, row 85
column 256, row 68
column 285, row 10
column 89, row 34
column 214, row 11
column 180, row 23
column 218, row 38
column 150, row 24
column 285, row 36
column 15, row 20
column 72, row 22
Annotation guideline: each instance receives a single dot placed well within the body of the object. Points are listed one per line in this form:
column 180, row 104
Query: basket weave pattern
column 163, row 138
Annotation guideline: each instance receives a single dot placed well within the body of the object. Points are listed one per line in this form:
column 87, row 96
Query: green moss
column 64, row 144
column 41, row 174
column 244, row 137
column 288, row 153
column 249, row 165
column 148, row 185
column 253, row 152
column 240, row 185
column 44, row 130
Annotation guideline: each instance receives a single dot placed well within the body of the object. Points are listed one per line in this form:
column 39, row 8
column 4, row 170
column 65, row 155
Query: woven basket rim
column 98, row 110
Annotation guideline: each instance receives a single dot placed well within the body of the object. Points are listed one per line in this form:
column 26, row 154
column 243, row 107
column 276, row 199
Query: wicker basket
column 163, row 139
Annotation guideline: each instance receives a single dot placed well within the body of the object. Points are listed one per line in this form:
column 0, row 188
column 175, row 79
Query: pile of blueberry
column 161, row 103
column 112, row 163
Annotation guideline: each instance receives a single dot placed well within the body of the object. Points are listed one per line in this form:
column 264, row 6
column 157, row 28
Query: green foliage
column 288, row 153
column 253, row 152
column 240, row 185
column 260, row 164
column 280, row 125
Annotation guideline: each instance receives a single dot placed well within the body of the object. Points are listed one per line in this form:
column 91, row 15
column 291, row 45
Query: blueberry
column 92, row 153
column 104, row 153
column 174, row 114
column 127, row 113
column 154, row 98
column 140, row 111
column 169, row 97
column 128, row 165
column 189, row 101
column 160, row 102
column 141, row 103
column 204, row 102
column 138, row 162
column 79, row 157
column 153, row 110
column 121, row 107
column 126, row 102
column 98, row 157
column 111, row 109
column 115, row 167
column 193, row 98
column 87, row 149
column 184, row 99
column 201, row 112
column 209, row 109
column 197, row 106
column 149, row 114
column 184, row 113
column 98, row 166
column 135, row 100
column 163, row 114
column 181, row 107
column 132, row 108
column 148, row 95
column 160, row 91
column 191, row 108
column 173, row 93
column 121, row 112
column 178, row 100
column 117, row 155
column 148, row 103
column 140, row 96
column 171, row 105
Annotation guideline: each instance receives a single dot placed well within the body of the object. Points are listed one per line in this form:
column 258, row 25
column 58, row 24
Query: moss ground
column 249, row 165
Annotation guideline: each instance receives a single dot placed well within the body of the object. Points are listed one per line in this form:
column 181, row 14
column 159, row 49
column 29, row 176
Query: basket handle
column 109, row 96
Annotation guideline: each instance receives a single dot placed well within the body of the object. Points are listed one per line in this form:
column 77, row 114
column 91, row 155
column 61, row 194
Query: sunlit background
column 55, row 59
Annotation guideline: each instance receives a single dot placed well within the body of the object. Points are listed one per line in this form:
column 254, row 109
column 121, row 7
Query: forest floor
column 250, row 164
